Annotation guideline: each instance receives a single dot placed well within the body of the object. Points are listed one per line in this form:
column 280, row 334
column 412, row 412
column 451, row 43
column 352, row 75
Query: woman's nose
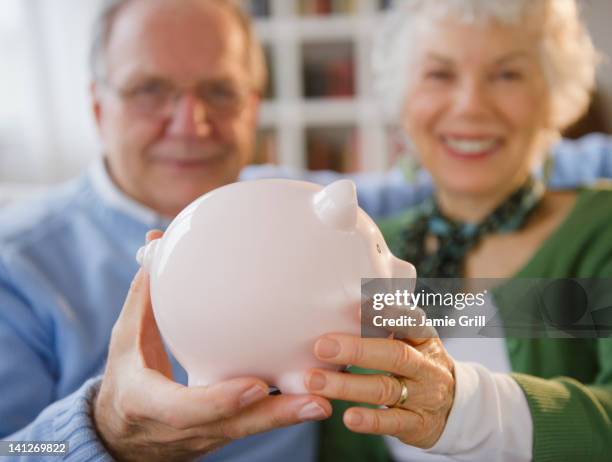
column 189, row 118
column 471, row 98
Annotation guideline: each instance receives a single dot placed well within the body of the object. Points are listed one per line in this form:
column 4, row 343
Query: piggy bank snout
column 401, row 269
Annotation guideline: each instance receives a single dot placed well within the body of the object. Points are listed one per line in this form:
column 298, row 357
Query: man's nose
column 189, row 118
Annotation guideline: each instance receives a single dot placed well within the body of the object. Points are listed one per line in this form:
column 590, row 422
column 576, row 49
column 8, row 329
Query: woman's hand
column 421, row 365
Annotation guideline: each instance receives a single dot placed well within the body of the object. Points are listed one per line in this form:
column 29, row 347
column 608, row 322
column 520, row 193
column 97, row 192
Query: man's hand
column 142, row 414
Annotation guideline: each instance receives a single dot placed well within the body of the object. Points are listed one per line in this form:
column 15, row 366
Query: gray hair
column 103, row 26
column 568, row 56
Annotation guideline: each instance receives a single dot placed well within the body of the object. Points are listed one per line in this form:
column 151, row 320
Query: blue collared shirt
column 66, row 263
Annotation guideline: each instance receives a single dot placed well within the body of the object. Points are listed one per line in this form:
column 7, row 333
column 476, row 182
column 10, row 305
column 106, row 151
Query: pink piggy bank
column 248, row 276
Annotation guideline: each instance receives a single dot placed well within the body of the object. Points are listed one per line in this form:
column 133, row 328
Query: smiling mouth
column 191, row 162
column 471, row 147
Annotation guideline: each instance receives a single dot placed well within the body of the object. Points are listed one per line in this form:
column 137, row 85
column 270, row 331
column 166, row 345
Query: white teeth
column 470, row 147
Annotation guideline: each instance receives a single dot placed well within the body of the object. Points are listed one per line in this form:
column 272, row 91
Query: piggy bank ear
column 336, row 205
column 146, row 254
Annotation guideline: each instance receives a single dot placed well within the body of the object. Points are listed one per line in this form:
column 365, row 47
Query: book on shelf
column 385, row 4
column 270, row 90
column 328, row 70
column 334, row 79
column 266, row 147
column 325, row 7
column 333, row 148
column 257, row 8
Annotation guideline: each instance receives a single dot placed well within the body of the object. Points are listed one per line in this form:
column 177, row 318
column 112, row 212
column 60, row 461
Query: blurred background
column 319, row 112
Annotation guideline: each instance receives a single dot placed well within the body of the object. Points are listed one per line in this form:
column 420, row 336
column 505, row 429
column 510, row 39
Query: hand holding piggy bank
column 248, row 276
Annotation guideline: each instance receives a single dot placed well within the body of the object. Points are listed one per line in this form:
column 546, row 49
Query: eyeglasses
column 158, row 98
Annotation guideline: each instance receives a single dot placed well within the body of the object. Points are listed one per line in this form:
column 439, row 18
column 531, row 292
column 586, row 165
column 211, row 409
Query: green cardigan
column 567, row 382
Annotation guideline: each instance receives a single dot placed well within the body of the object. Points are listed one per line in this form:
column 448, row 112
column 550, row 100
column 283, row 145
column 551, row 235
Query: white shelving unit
column 286, row 33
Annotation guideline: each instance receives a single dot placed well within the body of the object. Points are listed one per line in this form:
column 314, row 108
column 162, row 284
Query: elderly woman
column 482, row 88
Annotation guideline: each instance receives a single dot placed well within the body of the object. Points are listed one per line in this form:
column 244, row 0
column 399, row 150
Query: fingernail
column 327, row 348
column 253, row 394
column 354, row 418
column 312, row 411
column 316, row 381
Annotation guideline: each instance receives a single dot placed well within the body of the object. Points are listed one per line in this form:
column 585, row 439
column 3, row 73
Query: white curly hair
column 568, row 56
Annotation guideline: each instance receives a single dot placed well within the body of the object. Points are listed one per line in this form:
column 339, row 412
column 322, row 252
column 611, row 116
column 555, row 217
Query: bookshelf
column 319, row 111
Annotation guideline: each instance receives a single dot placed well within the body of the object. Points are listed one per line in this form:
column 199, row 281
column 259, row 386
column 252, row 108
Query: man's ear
column 96, row 107
column 254, row 106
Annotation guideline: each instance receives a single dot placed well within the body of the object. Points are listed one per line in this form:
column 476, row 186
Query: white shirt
column 490, row 418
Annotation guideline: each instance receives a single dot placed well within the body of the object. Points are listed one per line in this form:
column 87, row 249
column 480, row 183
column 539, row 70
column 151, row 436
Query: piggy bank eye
column 378, row 248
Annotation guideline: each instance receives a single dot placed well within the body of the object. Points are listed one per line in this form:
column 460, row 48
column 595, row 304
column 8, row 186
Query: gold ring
column 404, row 393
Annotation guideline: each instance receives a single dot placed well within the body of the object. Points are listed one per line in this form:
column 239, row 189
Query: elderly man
column 176, row 89
column 175, row 96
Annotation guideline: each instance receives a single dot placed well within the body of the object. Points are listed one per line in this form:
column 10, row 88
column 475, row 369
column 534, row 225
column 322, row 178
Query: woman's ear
column 405, row 142
column 547, row 139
